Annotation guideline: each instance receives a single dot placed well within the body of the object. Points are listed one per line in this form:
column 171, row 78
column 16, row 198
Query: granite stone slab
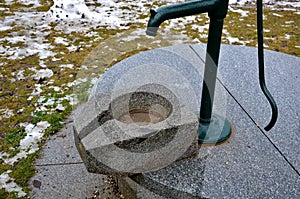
column 250, row 165
column 238, row 70
column 69, row 181
column 246, row 167
column 160, row 66
column 60, row 148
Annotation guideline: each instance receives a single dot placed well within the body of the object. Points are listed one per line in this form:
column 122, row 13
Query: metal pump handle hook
column 261, row 66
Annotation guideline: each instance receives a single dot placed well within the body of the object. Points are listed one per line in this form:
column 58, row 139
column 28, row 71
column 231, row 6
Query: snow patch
column 55, row 88
column 15, row 39
column 60, row 107
column 20, row 75
column 200, row 28
column 42, row 73
column 4, row 28
column 9, row 185
column 77, row 81
column 240, row 11
column 289, row 22
column 70, row 10
column 70, row 66
column 28, row 2
column 72, row 99
column 34, row 134
column 92, row 34
column 29, row 144
column 277, row 15
column 60, row 40
column 134, row 35
column 72, row 48
column 6, row 113
column 269, row 3
column 232, row 40
column 37, row 90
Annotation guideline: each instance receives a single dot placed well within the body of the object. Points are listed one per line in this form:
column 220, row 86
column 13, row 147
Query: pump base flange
column 216, row 131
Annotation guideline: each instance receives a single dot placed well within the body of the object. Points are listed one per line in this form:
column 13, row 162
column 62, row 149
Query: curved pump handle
column 261, row 66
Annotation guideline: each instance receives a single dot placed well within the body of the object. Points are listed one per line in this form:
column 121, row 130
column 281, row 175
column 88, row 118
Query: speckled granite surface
column 254, row 164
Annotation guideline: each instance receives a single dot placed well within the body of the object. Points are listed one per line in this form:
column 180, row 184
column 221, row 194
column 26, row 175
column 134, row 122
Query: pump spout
column 215, row 9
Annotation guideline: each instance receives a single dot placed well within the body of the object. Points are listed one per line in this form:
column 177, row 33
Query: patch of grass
column 6, row 33
column 276, row 29
column 6, row 195
column 12, row 140
column 195, row 34
column 4, row 167
column 17, row 6
column 45, row 5
column 24, row 170
column 5, row 13
column 55, row 120
column 283, row 36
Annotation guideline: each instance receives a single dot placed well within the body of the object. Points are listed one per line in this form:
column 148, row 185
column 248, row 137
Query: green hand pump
column 219, row 127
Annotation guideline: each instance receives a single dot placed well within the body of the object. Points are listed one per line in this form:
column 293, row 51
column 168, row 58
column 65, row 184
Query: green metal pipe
column 211, row 68
column 262, row 82
column 215, row 9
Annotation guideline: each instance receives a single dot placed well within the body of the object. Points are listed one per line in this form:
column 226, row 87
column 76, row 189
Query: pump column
column 212, row 128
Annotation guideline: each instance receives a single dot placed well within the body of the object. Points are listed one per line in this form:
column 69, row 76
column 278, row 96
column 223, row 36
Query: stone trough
column 136, row 130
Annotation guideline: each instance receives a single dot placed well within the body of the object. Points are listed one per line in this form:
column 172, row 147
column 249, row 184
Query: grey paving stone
column 239, row 72
column 61, row 171
column 65, row 181
column 247, row 167
column 60, row 148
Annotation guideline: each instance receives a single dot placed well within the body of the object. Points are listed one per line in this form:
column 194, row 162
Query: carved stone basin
column 135, row 131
